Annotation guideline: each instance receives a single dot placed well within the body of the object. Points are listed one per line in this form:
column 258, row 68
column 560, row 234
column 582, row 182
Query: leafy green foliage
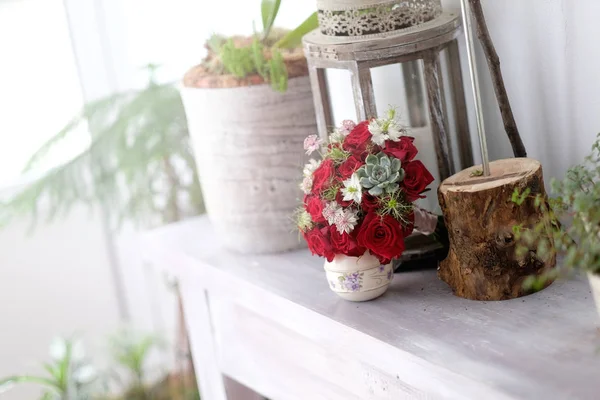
column 577, row 203
column 293, row 39
column 245, row 61
column 139, row 163
column 519, row 198
column 395, row 204
column 69, row 376
column 269, row 10
column 331, row 192
column 131, row 352
column 262, row 55
column 336, row 153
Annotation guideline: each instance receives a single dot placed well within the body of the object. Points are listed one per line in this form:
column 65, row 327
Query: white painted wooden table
column 271, row 323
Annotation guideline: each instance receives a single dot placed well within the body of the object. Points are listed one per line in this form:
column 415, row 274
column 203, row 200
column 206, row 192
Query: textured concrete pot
column 248, row 144
column 358, row 278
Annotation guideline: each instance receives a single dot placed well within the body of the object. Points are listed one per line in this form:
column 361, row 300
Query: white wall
column 550, row 63
column 54, row 282
column 37, row 73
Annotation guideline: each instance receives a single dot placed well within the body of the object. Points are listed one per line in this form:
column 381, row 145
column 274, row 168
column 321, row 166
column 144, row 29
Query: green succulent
column 380, row 174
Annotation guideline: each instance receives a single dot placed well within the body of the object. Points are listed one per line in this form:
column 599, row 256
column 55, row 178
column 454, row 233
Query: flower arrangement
column 359, row 197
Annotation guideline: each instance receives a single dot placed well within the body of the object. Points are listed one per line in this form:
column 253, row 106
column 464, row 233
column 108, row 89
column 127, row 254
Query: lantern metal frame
column 421, row 42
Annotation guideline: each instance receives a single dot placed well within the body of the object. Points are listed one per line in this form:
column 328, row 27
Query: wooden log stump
column 482, row 263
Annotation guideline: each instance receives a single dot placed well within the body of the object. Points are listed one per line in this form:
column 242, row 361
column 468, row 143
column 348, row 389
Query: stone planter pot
column 595, row 285
column 248, row 144
column 358, row 278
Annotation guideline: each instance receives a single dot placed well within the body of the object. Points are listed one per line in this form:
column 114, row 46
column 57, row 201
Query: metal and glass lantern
column 359, row 35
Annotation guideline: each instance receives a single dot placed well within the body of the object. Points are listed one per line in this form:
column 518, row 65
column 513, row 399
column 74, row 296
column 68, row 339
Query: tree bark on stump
column 482, row 263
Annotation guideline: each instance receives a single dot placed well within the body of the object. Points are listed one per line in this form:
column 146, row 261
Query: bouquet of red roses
column 360, row 196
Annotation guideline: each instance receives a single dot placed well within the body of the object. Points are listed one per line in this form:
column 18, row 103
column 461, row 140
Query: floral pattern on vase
column 352, row 281
column 358, row 278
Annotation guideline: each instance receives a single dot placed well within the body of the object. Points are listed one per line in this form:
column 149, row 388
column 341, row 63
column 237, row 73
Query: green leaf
column 293, row 39
column 134, row 136
column 5, row 383
column 215, row 42
column 269, row 10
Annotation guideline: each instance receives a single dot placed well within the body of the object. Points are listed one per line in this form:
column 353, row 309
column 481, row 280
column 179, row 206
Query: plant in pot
column 572, row 223
column 138, row 166
column 358, row 204
column 72, row 376
column 131, row 353
column 138, row 163
column 249, row 105
column 69, row 374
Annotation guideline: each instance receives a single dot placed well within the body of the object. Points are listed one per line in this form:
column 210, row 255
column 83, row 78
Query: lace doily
column 370, row 19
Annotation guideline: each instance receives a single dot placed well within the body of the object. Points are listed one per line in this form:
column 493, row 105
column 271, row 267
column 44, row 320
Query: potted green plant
column 69, row 374
column 138, row 165
column 572, row 219
column 249, row 105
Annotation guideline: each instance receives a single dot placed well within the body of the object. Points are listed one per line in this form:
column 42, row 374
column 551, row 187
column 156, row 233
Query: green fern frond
column 137, row 138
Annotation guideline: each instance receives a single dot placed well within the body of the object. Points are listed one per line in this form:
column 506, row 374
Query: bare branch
column 510, row 125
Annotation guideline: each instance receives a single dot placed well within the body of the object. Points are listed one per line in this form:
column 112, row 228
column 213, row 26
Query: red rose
column 314, row 206
column 345, row 244
column 322, row 176
column 319, row 244
column 416, row 180
column 349, row 166
column 404, row 150
column 356, row 142
column 382, row 236
column 369, row 202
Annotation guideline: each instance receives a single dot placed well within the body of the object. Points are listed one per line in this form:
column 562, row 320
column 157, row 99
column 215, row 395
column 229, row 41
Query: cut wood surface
column 482, row 263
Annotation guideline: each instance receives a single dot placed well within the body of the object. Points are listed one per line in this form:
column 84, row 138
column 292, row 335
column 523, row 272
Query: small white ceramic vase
column 358, row 278
column 595, row 285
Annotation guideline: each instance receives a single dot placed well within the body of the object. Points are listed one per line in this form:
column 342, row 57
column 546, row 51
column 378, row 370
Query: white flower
column 345, row 220
column 59, row 347
column 85, row 374
column 311, row 167
column 337, row 136
column 352, row 190
column 395, row 131
column 330, row 211
column 312, row 144
column 306, row 184
column 386, row 129
column 379, row 135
